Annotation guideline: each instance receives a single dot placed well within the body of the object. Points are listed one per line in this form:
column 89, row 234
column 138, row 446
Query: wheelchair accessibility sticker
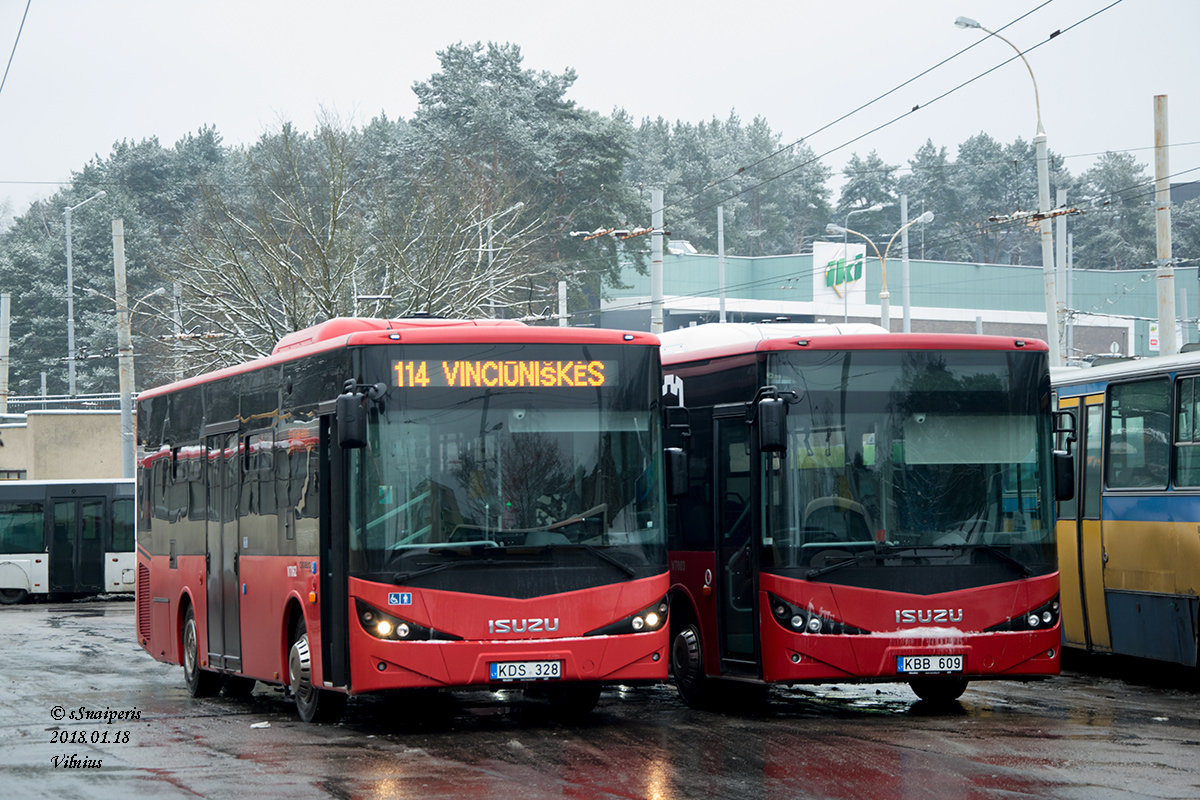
column 399, row 598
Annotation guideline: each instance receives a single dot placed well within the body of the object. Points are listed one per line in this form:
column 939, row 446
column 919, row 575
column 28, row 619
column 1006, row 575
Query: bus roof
column 1094, row 378
column 351, row 331
column 714, row 340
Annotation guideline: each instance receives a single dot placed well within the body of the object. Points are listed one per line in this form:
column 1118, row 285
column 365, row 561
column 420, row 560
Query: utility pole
column 1164, row 271
column 124, row 349
column 906, row 313
column 721, row 258
column 1060, row 274
column 656, row 262
column 5, row 300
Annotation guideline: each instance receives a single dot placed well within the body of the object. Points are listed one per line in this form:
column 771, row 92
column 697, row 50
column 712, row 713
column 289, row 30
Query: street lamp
column 1043, row 169
column 884, row 314
column 71, row 296
column 845, row 256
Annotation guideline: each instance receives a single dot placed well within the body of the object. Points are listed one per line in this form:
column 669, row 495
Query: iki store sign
column 838, row 275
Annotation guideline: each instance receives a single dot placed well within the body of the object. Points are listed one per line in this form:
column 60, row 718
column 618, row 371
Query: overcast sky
column 88, row 73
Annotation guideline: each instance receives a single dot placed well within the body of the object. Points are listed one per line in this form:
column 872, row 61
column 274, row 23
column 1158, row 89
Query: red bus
column 862, row 507
column 417, row 503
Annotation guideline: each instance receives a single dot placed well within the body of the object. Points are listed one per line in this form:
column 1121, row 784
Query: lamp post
column 71, row 296
column 846, row 258
column 884, row 314
column 1043, row 170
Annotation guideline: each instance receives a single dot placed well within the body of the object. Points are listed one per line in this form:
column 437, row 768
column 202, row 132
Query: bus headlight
column 800, row 620
column 393, row 629
column 1036, row 619
column 646, row 620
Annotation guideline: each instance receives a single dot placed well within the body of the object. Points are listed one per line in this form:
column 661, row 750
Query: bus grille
column 143, row 603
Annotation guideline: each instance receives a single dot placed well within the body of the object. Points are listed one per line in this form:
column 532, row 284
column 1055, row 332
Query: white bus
column 66, row 539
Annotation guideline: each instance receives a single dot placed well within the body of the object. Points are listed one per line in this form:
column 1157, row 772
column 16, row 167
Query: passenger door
column 77, row 545
column 736, row 557
column 223, row 481
column 1091, row 541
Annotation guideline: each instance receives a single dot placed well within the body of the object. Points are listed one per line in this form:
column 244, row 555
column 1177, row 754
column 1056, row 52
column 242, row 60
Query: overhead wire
column 908, row 113
column 4, row 80
column 849, row 114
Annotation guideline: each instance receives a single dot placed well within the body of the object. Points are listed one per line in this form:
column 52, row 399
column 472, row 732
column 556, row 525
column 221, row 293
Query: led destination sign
column 507, row 374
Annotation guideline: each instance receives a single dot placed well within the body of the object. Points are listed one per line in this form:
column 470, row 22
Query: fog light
column 1033, row 620
column 1050, row 653
column 797, row 622
column 638, row 623
column 384, row 628
column 814, row 624
column 795, row 658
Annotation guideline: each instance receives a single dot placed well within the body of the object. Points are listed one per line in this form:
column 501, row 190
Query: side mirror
column 678, row 427
column 1064, row 422
column 352, row 420
column 772, row 425
column 1064, row 475
column 677, row 472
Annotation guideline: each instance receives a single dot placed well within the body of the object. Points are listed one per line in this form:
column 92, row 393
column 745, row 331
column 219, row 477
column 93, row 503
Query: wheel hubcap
column 300, row 669
column 189, row 647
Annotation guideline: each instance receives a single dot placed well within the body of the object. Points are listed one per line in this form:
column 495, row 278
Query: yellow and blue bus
column 1129, row 543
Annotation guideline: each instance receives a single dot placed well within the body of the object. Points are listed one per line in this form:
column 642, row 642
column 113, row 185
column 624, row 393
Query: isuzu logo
column 534, row 625
column 922, row 615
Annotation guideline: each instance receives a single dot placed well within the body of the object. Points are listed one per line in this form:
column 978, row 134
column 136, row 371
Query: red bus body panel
column 873, row 656
column 382, row 664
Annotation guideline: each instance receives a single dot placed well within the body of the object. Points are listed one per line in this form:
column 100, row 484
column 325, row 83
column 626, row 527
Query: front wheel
column 312, row 704
column 687, row 667
column 200, row 682
column 12, row 597
column 939, row 691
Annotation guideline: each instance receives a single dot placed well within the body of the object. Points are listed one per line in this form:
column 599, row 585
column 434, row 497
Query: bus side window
column 1139, row 429
column 1187, row 437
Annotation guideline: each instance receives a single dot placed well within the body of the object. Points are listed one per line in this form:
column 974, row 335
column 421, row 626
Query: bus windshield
column 901, row 459
column 553, row 466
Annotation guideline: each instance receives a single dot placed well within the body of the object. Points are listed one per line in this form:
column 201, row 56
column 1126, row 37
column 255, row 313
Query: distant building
column 1112, row 312
column 60, row 445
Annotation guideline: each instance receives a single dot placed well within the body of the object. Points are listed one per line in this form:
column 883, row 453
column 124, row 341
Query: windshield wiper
column 876, row 553
column 616, row 562
column 834, row 567
column 402, row 577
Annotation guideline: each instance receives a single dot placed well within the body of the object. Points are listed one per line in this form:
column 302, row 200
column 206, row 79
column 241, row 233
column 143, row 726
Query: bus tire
column 12, row 597
column 938, row 691
column 312, row 704
column 687, row 666
column 200, row 682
